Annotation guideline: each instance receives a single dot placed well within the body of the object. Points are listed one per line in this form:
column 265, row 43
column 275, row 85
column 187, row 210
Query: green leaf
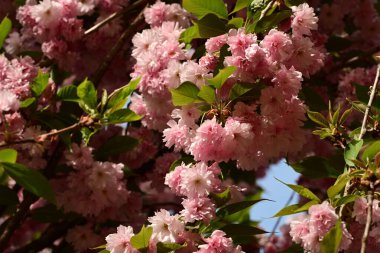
column 87, row 133
column 8, row 155
column 339, row 185
column 315, row 167
column 313, row 100
column 296, row 208
column 185, row 94
column 346, row 199
column 211, row 26
column 352, row 151
column 122, row 116
column 235, row 23
column 218, row 80
column 234, row 230
column 201, row 8
column 116, row 145
column 222, row 198
column 168, row 247
column 68, row 93
column 189, row 34
column 27, row 102
column 119, row 97
column 271, row 21
column 40, row 83
column 295, row 248
column 186, row 160
column 8, row 197
column 207, row 93
column 335, row 117
column 318, row 118
column 87, row 93
column 371, row 151
column 5, row 28
column 301, row 191
column 344, row 116
column 140, row 241
column 236, row 207
column 331, row 241
column 31, row 180
column 291, row 3
column 239, row 89
column 104, row 251
column 240, row 4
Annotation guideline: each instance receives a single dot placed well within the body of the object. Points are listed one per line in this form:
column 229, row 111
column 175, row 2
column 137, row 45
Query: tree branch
column 368, row 221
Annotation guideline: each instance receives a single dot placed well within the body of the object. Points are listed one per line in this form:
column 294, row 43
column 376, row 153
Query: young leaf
column 371, row 151
column 140, row 241
column 31, row 180
column 301, row 191
column 168, row 247
column 27, row 102
column 271, row 21
column 201, row 8
column 122, row 116
column 235, row 23
column 68, row 93
column 240, row 4
column 207, row 93
column 344, row 116
column 116, row 145
column 339, row 185
column 221, row 198
column 336, row 116
column 211, row 26
column 315, row 167
column 236, row 207
column 331, row 241
column 87, row 93
column 8, row 155
column 238, row 90
column 352, row 152
column 189, row 34
column 185, row 94
column 346, row 199
column 119, row 97
column 296, row 208
column 318, row 118
column 5, row 28
column 40, row 83
column 218, row 80
column 291, row 3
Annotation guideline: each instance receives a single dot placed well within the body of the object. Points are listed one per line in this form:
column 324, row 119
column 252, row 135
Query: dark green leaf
column 207, row 93
column 315, row 167
column 371, row 151
column 119, row 97
column 31, row 180
column 87, row 93
column 295, row 248
column 211, row 26
column 313, row 100
column 218, row 80
column 5, row 28
column 8, row 197
column 239, row 89
column 352, row 151
column 123, row 116
column 318, row 118
column 140, row 241
column 331, row 241
column 8, row 155
column 40, row 83
column 234, row 230
column 344, row 116
column 185, row 94
column 168, row 247
column 116, row 145
column 271, row 21
column 303, row 191
column 201, row 8
column 186, row 160
column 68, row 93
column 346, row 199
column 222, row 198
column 236, row 207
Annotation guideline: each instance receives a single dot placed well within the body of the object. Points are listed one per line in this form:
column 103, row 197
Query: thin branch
column 368, row 221
column 132, row 7
column 126, row 35
column 280, row 217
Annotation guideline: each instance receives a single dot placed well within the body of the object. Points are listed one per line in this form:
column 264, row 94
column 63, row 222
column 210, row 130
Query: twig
column 133, row 6
column 368, row 221
column 127, row 34
column 264, row 12
column 280, row 217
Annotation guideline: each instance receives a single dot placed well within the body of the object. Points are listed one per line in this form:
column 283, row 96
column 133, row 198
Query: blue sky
column 276, row 191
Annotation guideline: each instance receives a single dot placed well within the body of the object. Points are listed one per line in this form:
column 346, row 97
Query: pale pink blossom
column 120, row 241
column 166, row 227
column 304, row 19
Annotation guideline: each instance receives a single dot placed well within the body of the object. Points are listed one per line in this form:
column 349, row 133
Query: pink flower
column 120, row 241
column 217, row 242
column 178, row 136
column 166, row 227
column 194, row 73
column 83, row 238
column 215, row 43
column 198, row 208
column 80, row 156
column 47, row 13
column 322, row 218
column 174, row 178
column 304, row 20
column 239, row 41
column 8, row 101
column 278, row 44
